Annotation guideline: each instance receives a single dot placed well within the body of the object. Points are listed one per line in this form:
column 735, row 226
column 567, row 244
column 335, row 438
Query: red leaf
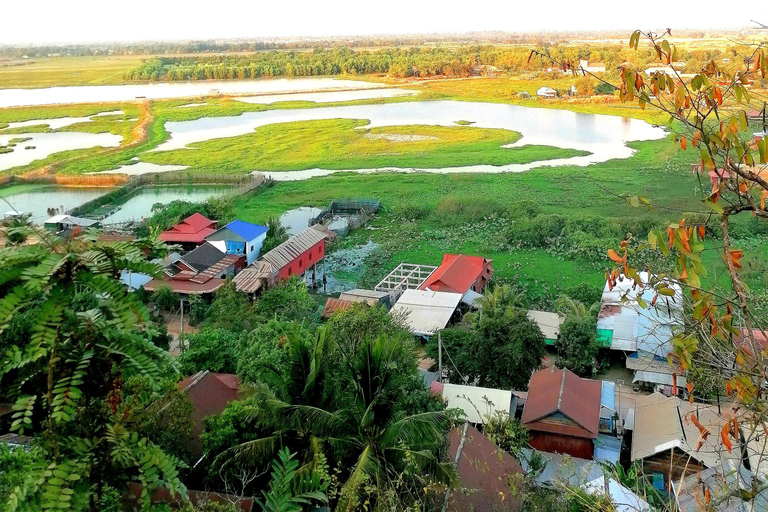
column 724, row 436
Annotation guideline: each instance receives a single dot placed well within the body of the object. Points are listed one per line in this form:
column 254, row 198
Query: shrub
column 456, row 210
column 165, row 299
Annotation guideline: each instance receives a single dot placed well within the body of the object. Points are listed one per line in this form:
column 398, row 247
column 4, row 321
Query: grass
column 341, row 144
column 408, row 230
column 63, row 71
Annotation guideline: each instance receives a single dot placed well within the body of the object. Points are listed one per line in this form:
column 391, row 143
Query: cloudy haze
column 44, row 21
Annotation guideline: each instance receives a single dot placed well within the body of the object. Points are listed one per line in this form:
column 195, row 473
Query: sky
column 57, row 21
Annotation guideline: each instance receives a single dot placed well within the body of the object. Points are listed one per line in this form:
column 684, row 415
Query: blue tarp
column 246, row 230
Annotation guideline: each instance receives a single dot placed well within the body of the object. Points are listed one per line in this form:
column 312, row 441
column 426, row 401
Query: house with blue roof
column 240, row 238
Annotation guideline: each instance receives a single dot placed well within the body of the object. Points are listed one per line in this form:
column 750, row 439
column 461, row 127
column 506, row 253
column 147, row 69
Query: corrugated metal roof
column 477, row 402
column 562, row 391
column 294, row 247
column 608, row 395
column 255, row 276
column 333, row 305
column 426, row 312
column 456, row 274
column 549, row 323
column 660, row 424
column 361, row 295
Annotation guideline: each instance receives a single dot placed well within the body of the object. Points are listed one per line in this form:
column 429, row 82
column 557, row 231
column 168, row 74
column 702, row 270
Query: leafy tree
column 508, row 349
column 88, row 334
column 576, row 346
column 290, row 300
column 276, row 234
column 213, row 349
column 198, row 310
column 265, row 356
column 231, row 310
column 455, row 341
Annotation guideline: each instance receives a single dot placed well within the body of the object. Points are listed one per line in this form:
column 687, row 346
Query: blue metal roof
column 246, row 230
column 608, row 395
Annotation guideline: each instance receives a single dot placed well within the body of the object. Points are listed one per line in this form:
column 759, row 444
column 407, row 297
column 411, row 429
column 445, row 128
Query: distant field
column 59, row 71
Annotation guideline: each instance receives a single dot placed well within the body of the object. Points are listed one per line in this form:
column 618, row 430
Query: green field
column 62, row 71
column 342, row 144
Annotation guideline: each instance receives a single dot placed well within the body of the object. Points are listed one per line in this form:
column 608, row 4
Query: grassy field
column 340, row 144
column 62, row 71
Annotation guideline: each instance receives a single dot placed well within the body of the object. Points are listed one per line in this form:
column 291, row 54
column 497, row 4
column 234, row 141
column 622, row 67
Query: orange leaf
column 736, row 255
column 702, row 232
column 674, row 384
column 743, row 187
column 689, row 386
column 683, row 144
column 724, row 436
column 614, row 256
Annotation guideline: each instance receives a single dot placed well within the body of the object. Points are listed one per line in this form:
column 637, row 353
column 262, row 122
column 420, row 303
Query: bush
column 454, row 210
column 215, row 350
column 165, row 299
column 603, row 88
column 585, row 293
column 576, row 346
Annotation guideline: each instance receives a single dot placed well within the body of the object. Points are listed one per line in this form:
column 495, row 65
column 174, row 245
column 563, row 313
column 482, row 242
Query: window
column 251, row 247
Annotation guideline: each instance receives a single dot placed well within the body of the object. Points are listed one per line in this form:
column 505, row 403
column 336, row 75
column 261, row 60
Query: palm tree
column 363, row 428
column 500, row 299
column 574, row 309
column 17, row 228
column 276, row 234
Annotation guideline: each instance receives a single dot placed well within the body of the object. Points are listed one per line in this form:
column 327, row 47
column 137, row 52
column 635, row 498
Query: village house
column 590, row 67
column 643, row 333
column 209, row 393
column 60, row 223
column 240, row 238
column 562, row 412
column 298, row 254
column 459, row 274
column 258, row 276
column 190, row 232
column 546, row 92
column 664, row 439
column 201, row 271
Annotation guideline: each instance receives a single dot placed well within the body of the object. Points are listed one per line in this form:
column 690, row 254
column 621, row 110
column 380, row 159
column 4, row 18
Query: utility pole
column 181, row 329
column 439, row 357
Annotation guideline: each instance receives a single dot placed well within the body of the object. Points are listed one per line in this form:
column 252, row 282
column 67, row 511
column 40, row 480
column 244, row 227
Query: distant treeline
column 254, row 45
column 397, row 62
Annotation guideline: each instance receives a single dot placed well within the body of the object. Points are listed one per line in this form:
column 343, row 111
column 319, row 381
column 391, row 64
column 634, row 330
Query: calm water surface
column 45, row 144
column 605, row 137
column 139, row 206
column 41, row 198
column 110, row 93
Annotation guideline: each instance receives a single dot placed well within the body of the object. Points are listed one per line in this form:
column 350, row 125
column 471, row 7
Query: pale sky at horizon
column 57, row 21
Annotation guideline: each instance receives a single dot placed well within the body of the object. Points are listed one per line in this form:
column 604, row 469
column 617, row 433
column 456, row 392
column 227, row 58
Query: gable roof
column 487, row 474
column 561, row 391
column 209, row 393
column 246, row 230
column 660, row 424
column 203, row 257
column 456, row 274
column 333, row 305
column 294, row 247
column 193, row 229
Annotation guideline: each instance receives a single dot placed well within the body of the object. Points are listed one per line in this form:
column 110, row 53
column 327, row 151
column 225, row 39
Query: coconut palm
column 363, row 427
column 572, row 308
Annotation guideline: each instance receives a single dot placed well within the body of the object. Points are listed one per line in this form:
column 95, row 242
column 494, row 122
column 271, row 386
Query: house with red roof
column 562, row 412
column 459, row 274
column 200, row 271
column 191, row 231
column 209, row 393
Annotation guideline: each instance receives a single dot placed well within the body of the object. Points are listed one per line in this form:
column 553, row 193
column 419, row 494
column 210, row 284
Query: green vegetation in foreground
column 339, row 144
column 426, row 215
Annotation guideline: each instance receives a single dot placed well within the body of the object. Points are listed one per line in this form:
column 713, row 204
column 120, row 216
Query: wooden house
column 297, row 254
column 562, row 412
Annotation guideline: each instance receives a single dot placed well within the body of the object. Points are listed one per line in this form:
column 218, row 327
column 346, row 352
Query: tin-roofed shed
column 426, row 312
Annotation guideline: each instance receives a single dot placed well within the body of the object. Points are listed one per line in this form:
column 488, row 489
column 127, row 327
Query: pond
column 36, row 146
column 297, row 220
column 139, row 205
column 603, row 136
column 114, row 93
column 328, row 97
column 37, row 199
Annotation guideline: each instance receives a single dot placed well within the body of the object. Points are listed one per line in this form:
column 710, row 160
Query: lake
column 327, row 97
column 39, row 198
column 43, row 145
column 603, row 136
column 166, row 90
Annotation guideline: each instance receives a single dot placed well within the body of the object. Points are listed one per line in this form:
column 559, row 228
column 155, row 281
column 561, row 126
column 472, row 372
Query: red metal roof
column 489, row 478
column 193, row 229
column 209, row 394
column 333, row 305
column 456, row 274
column 561, row 391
